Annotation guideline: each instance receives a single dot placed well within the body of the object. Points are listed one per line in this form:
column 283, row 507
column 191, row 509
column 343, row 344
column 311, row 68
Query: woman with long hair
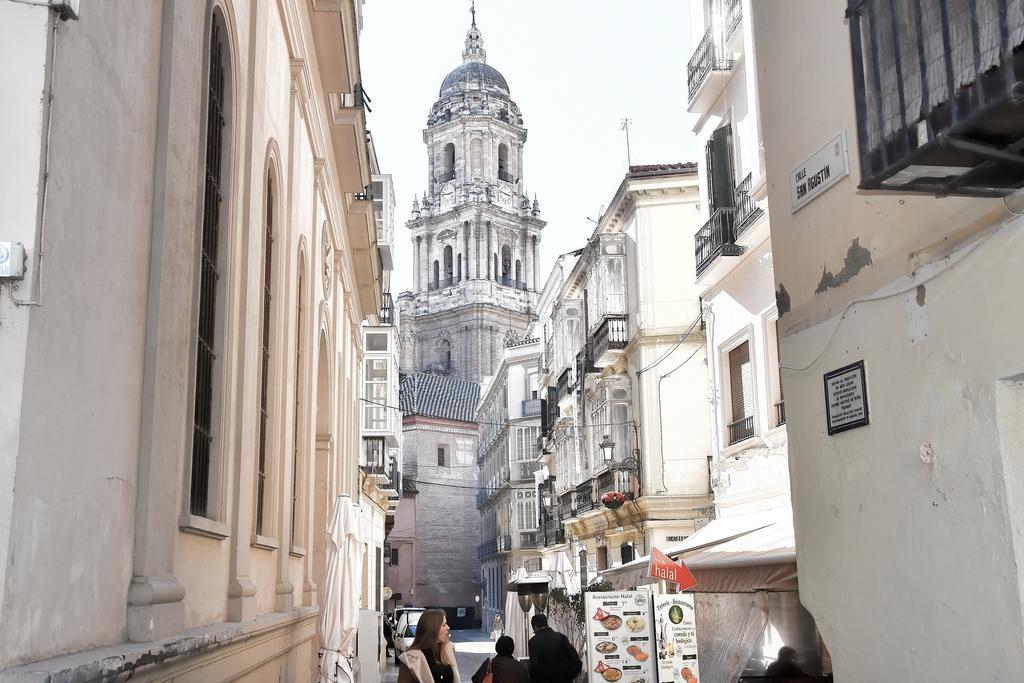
column 431, row 657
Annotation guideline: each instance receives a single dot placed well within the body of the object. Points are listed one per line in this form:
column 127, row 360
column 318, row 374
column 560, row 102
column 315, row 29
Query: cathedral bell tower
column 475, row 233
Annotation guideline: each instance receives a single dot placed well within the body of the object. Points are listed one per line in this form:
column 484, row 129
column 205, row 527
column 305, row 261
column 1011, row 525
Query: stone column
column 471, row 249
column 415, row 263
column 519, row 168
column 529, row 265
column 490, row 260
column 536, row 254
column 155, row 607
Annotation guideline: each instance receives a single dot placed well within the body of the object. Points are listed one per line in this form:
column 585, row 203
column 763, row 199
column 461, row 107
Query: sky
column 575, row 68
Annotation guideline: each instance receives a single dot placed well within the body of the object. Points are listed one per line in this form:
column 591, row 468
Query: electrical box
column 12, row 260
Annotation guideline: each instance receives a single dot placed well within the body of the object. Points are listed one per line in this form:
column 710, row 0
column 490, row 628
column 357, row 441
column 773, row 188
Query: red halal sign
column 664, row 568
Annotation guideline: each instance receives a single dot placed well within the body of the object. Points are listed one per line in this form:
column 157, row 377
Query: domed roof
column 484, row 76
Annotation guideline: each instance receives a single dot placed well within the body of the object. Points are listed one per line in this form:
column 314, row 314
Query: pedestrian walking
column 504, row 667
column 431, row 657
column 497, row 628
column 553, row 659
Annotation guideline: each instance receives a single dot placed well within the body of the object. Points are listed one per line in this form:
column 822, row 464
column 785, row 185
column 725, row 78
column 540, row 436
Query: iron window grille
column 206, row 356
column 936, row 88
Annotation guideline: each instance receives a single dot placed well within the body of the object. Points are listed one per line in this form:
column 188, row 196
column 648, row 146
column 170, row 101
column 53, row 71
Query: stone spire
column 474, row 51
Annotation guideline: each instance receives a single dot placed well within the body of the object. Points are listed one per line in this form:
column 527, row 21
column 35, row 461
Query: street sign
column 665, row 568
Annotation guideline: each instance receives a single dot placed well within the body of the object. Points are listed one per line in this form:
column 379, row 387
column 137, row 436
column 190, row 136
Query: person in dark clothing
column 785, row 666
column 553, row 659
column 505, row 667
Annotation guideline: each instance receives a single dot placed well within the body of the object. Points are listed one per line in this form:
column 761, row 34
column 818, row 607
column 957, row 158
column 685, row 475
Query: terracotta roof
column 430, row 395
column 661, row 169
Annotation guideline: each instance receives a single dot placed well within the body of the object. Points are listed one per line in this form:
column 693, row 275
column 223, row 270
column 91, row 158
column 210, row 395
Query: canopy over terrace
column 755, row 552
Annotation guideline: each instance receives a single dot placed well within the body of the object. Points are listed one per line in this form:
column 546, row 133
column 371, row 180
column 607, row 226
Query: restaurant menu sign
column 675, row 627
column 619, row 644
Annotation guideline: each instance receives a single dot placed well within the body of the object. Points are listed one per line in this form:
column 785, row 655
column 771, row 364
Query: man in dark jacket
column 553, row 659
column 505, row 668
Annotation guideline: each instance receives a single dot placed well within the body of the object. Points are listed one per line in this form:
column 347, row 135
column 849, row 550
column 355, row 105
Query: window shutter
column 740, row 382
column 721, row 179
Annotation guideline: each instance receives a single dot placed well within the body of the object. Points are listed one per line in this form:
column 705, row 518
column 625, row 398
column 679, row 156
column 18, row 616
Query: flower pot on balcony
column 613, row 500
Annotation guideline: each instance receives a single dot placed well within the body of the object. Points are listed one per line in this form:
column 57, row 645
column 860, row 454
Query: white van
column 405, row 630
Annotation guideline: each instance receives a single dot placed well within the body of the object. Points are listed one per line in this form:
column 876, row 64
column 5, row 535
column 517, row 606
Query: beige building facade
column 182, row 356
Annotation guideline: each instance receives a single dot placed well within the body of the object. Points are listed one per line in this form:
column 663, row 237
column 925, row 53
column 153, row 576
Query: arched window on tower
column 448, row 274
column 506, row 264
column 503, row 173
column 445, row 354
column 449, row 162
column 437, row 274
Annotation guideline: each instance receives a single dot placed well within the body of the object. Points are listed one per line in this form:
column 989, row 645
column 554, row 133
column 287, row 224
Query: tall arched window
column 264, row 433
column 298, row 462
column 503, row 173
column 506, row 264
column 448, row 270
column 449, row 162
column 211, row 265
column 445, row 354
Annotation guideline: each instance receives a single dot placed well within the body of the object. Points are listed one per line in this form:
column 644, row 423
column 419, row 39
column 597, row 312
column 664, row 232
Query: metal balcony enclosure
column 583, row 497
column 533, row 407
column 387, row 309
column 709, row 56
column 611, row 335
column 376, row 465
column 937, row 87
column 747, row 210
column 529, row 539
column 741, row 429
column 716, row 238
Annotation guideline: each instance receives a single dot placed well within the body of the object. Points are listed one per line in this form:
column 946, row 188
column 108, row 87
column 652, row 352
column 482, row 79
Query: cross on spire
column 472, row 10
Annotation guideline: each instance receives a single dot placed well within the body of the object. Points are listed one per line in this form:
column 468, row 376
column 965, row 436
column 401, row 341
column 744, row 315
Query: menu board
column 675, row 626
column 619, row 644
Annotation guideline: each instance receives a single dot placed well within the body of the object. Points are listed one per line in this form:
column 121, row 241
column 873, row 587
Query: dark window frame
column 268, row 264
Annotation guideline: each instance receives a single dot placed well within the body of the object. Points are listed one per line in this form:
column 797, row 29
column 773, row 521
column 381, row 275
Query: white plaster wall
column 915, row 547
column 24, row 50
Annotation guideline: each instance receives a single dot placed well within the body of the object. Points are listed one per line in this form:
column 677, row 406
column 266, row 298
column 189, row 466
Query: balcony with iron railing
column 387, row 309
column 566, row 505
column 553, row 532
column 583, row 497
column 741, row 429
column 707, row 69
column 529, row 539
column 487, row 548
column 610, row 337
column 780, row 413
column 733, row 16
column 563, row 384
column 375, row 466
column 393, row 486
column 504, row 543
column 747, row 210
column 716, row 238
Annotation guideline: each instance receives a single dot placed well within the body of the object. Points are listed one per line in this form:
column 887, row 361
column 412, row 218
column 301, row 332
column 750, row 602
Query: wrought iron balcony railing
column 747, row 210
column 780, row 410
column 709, row 56
column 529, row 539
column 741, row 429
column 525, row 470
column 733, row 16
column 387, row 309
column 563, row 383
column 487, row 548
column 583, row 497
column 504, row 543
column 611, row 335
column 716, row 238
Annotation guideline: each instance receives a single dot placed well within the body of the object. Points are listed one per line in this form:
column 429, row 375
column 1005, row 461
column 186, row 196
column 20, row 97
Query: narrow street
column 471, row 648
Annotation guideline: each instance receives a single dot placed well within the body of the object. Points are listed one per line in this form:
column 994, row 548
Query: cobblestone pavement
column 471, row 648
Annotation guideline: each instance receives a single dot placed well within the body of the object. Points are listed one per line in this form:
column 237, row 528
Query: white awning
column 763, row 540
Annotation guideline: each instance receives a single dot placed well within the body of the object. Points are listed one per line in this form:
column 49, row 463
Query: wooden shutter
column 721, row 177
column 740, row 380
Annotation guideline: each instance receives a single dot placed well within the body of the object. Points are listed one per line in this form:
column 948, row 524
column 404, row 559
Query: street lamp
column 607, row 446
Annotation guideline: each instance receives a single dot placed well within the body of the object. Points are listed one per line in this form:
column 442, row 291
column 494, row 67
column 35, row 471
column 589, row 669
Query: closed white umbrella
column 563, row 574
column 339, row 611
column 517, row 623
